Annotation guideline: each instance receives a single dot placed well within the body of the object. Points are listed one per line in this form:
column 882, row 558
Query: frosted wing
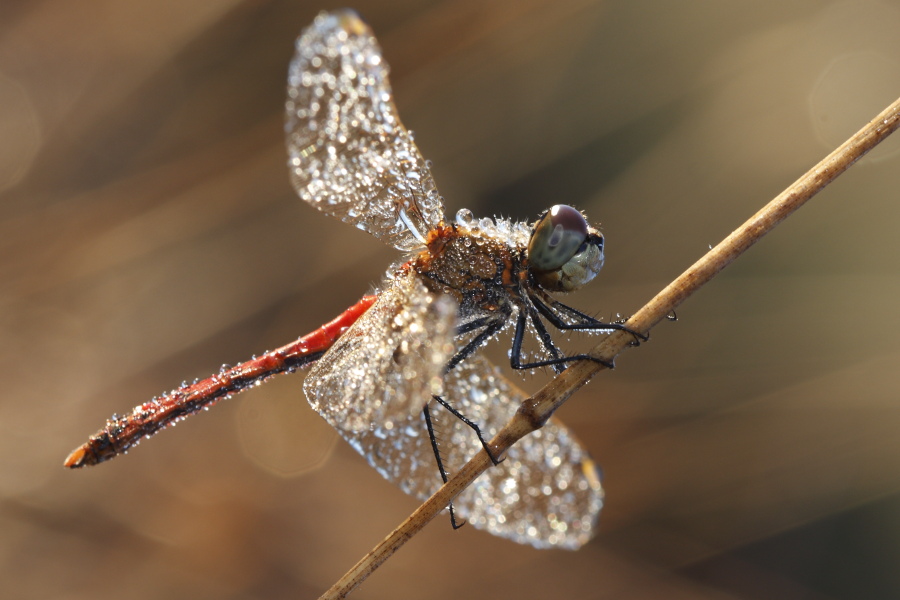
column 546, row 493
column 349, row 154
column 388, row 364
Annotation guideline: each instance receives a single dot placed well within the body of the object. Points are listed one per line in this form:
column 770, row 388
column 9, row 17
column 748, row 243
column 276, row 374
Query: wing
column 349, row 154
column 388, row 364
column 546, row 493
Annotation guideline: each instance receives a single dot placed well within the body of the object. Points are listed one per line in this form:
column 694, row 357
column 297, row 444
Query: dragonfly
column 399, row 374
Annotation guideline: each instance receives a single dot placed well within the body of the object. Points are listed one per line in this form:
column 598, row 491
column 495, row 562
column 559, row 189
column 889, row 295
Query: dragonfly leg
column 545, row 339
column 440, row 463
column 491, row 327
column 515, row 354
column 585, row 322
column 474, row 427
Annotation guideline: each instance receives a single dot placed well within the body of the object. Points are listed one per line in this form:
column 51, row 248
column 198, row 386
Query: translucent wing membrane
column 389, row 363
column 546, row 493
column 349, row 154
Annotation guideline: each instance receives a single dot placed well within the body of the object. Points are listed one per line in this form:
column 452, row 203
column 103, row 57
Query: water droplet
column 464, row 217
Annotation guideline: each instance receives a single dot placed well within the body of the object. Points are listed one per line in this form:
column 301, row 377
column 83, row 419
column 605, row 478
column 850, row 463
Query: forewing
column 388, row 364
column 349, row 154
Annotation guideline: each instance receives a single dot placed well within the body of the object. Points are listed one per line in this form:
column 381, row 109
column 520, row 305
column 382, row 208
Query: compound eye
column 556, row 237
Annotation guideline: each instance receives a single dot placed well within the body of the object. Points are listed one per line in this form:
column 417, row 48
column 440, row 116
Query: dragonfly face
column 564, row 252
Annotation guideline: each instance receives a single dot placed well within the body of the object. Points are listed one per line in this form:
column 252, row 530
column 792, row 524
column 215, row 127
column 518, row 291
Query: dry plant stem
column 535, row 411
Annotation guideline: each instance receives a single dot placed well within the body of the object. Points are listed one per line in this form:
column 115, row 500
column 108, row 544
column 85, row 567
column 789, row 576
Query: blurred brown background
column 149, row 234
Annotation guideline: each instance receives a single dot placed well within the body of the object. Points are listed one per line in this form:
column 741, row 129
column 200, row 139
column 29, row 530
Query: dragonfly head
column 564, row 252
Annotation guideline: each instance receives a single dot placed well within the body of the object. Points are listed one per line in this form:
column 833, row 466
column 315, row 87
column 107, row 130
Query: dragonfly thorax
column 471, row 266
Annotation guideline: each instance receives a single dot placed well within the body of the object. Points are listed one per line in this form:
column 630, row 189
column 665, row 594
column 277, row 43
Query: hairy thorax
column 476, row 270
